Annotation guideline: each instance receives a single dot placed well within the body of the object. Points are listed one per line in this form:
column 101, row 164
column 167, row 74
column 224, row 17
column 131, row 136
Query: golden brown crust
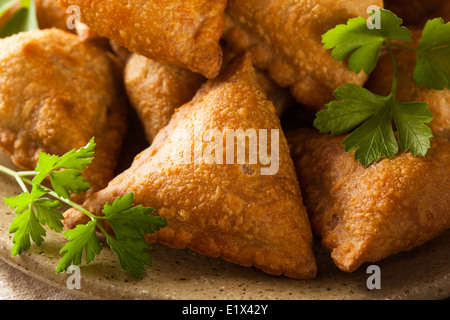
column 51, row 15
column 56, row 93
column 185, row 33
column 280, row 97
column 368, row 213
column 156, row 90
column 284, row 38
column 226, row 210
column 380, row 82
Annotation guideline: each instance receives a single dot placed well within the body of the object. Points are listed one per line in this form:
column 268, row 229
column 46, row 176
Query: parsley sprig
column 35, row 211
column 370, row 117
column 24, row 19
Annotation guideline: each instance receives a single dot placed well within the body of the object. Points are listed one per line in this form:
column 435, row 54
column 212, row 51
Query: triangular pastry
column 185, row 33
column 156, row 89
column 285, row 38
column 369, row 213
column 229, row 210
column 56, row 93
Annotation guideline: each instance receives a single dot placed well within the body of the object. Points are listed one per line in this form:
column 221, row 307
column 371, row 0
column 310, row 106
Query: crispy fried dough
column 226, row 210
column 368, row 213
column 284, row 38
column 56, row 93
column 185, row 33
column 380, row 82
column 156, row 90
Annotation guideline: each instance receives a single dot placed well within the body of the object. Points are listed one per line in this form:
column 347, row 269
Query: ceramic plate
column 423, row 273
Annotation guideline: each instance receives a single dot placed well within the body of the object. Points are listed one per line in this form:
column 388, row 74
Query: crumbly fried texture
column 368, row 213
column 156, row 90
column 284, row 38
column 185, row 33
column 380, row 82
column 56, row 93
column 226, row 210
column 280, row 97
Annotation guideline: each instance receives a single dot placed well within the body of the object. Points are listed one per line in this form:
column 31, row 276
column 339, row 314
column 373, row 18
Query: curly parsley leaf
column 81, row 238
column 361, row 43
column 130, row 224
column 372, row 117
column 23, row 19
column 354, row 106
column 130, row 221
column 410, row 119
column 65, row 172
column 24, row 227
column 21, row 202
column 33, row 214
column 132, row 254
column 433, row 56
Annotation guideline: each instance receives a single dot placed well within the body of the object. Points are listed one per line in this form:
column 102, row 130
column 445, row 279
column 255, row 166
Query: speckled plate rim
column 422, row 273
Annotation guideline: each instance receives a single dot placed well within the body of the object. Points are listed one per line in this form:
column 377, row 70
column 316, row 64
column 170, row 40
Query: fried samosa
column 228, row 210
column 185, row 33
column 156, row 90
column 369, row 213
column 284, row 38
column 56, row 93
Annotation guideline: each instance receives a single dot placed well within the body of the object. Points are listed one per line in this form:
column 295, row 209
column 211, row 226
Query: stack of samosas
column 189, row 68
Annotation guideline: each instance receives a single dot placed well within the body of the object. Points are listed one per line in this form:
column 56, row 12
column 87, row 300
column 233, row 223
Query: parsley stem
column 26, row 173
column 393, row 93
column 21, row 184
column 394, row 44
column 19, row 177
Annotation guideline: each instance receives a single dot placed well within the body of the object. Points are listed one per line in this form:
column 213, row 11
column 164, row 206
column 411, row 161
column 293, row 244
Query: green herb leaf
column 132, row 254
column 81, row 238
column 130, row 224
column 355, row 106
column 21, row 202
column 34, row 212
column 410, row 119
column 68, row 180
column 65, row 171
column 128, row 221
column 373, row 114
column 433, row 56
column 47, row 214
column 24, row 226
column 361, row 43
